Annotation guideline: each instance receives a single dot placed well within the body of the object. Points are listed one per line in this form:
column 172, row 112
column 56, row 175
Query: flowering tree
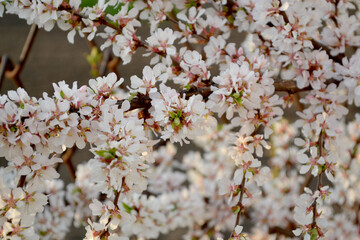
column 281, row 179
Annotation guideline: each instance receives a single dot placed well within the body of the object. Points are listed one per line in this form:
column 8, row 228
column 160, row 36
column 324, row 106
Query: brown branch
column 353, row 154
column 289, row 86
column 319, row 179
column 142, row 101
column 116, row 199
column 318, row 45
column 100, row 20
column 15, row 73
column 91, row 43
column 5, row 61
column 176, row 22
column 7, row 68
column 282, row 231
column 21, row 182
column 66, row 157
column 27, row 46
column 112, row 67
column 239, row 204
column 305, row 183
column 336, row 12
column 104, row 62
column 357, row 212
column 117, row 195
column 298, row 103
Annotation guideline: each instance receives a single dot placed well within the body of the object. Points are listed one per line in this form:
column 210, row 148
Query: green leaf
column 314, row 234
column 127, row 207
column 236, row 209
column 62, row 94
column 88, row 3
column 112, row 10
column 132, row 95
column 107, row 154
column 175, row 207
column 175, row 10
column 112, row 151
column 191, row 3
column 76, row 190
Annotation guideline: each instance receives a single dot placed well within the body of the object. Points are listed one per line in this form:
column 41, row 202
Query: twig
column 112, row 64
column 353, row 154
column 298, row 103
column 305, row 183
column 282, row 231
column 66, row 157
column 21, row 182
column 100, row 20
column 27, row 46
column 4, row 63
column 104, row 62
column 319, row 180
column 91, row 43
column 239, row 203
column 116, row 199
column 143, row 101
column 14, row 74
column 117, row 195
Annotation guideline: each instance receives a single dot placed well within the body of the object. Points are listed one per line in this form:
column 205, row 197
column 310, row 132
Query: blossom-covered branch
column 230, row 99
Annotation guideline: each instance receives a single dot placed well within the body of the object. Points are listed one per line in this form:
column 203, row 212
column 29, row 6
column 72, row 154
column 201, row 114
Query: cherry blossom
column 263, row 94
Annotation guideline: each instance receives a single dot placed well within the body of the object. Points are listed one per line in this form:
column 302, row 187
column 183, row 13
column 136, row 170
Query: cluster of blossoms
column 251, row 160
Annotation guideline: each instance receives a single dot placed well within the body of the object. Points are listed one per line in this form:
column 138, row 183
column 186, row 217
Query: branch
column 306, row 182
column 117, row 195
column 27, row 46
column 5, row 61
column 143, row 101
column 21, row 182
column 282, row 231
column 116, row 199
column 104, row 62
column 239, row 204
column 319, row 179
column 7, row 68
column 66, row 157
column 101, row 20
column 15, row 73
column 298, row 103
